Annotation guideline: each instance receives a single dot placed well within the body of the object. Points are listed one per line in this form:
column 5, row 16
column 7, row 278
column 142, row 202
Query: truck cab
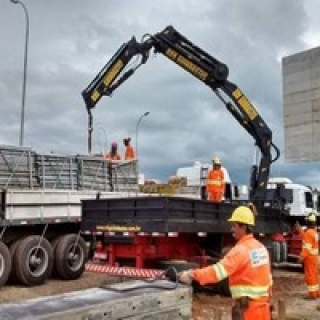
column 298, row 199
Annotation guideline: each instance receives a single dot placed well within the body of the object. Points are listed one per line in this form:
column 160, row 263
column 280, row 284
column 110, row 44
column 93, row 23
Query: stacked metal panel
column 56, row 172
column 23, row 168
column 17, row 168
column 99, row 174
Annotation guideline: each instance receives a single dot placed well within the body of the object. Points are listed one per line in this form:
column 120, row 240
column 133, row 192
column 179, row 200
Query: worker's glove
column 185, row 277
column 300, row 259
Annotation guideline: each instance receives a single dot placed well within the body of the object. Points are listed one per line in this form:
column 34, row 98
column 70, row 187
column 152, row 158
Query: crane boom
column 208, row 70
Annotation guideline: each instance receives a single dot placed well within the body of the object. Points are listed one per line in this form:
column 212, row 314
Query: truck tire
column 33, row 260
column 5, row 263
column 12, row 249
column 54, row 244
column 70, row 260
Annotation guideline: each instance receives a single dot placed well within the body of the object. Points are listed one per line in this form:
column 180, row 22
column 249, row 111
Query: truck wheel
column 12, row 249
column 70, row 257
column 33, row 261
column 54, row 244
column 5, row 263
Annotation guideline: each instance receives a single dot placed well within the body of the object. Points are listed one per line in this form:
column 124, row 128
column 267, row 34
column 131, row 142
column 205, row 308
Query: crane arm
column 208, row 70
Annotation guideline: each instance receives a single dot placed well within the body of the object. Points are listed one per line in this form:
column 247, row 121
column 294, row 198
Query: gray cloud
column 70, row 41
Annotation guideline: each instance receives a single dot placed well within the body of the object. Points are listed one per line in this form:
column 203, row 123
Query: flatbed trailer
column 146, row 232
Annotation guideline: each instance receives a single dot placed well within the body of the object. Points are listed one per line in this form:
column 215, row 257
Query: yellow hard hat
column 216, row 160
column 311, row 217
column 242, row 214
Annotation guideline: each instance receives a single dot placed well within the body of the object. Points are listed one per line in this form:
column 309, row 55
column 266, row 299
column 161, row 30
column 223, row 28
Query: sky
column 70, row 41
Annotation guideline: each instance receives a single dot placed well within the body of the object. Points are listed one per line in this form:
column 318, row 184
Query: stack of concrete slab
column 23, row 168
column 131, row 300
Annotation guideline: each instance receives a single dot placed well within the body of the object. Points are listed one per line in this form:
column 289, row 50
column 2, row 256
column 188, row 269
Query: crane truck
column 137, row 234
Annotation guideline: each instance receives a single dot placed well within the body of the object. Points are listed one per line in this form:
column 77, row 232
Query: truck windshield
column 309, row 200
column 286, row 195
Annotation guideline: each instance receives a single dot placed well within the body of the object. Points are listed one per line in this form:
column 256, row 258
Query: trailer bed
column 165, row 214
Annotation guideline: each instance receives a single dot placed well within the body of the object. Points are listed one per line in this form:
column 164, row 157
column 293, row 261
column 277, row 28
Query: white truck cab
column 298, row 198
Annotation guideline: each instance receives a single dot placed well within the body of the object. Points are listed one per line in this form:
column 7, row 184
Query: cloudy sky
column 70, row 41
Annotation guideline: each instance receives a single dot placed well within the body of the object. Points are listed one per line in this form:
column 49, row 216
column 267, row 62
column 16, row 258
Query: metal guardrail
column 23, row 168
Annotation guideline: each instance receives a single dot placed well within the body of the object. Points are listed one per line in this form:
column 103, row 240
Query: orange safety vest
column 310, row 243
column 129, row 154
column 309, row 253
column 247, row 265
column 215, row 181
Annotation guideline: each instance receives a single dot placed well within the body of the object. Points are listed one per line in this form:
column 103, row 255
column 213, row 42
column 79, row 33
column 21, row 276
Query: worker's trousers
column 254, row 311
column 310, row 265
column 215, row 196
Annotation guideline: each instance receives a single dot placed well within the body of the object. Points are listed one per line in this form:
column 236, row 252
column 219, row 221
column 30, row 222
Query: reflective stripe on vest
column 220, row 271
column 313, row 288
column 215, row 182
column 308, row 246
column 253, row 292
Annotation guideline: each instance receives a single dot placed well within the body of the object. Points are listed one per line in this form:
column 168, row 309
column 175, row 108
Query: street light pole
column 24, row 83
column 137, row 130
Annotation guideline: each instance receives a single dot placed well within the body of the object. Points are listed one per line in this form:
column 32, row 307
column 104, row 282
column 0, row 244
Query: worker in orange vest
column 113, row 154
column 129, row 152
column 309, row 255
column 247, row 265
column 215, row 182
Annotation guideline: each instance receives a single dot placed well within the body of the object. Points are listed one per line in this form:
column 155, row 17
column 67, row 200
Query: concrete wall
column 301, row 102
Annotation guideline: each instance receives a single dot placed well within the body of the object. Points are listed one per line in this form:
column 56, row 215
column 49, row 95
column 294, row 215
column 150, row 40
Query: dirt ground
column 288, row 285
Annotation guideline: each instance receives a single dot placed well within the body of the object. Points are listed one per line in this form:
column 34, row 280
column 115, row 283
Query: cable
column 150, row 282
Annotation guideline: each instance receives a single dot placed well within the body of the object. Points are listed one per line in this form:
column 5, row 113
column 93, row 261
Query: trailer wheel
column 5, row 263
column 12, row 249
column 70, row 256
column 33, row 260
column 54, row 244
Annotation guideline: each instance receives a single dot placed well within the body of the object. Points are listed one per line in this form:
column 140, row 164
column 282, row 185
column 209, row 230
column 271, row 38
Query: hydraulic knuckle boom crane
column 207, row 69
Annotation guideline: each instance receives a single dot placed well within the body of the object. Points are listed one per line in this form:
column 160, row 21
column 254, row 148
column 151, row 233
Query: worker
column 309, row 255
column 113, row 154
column 247, row 265
column 129, row 152
column 215, row 182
